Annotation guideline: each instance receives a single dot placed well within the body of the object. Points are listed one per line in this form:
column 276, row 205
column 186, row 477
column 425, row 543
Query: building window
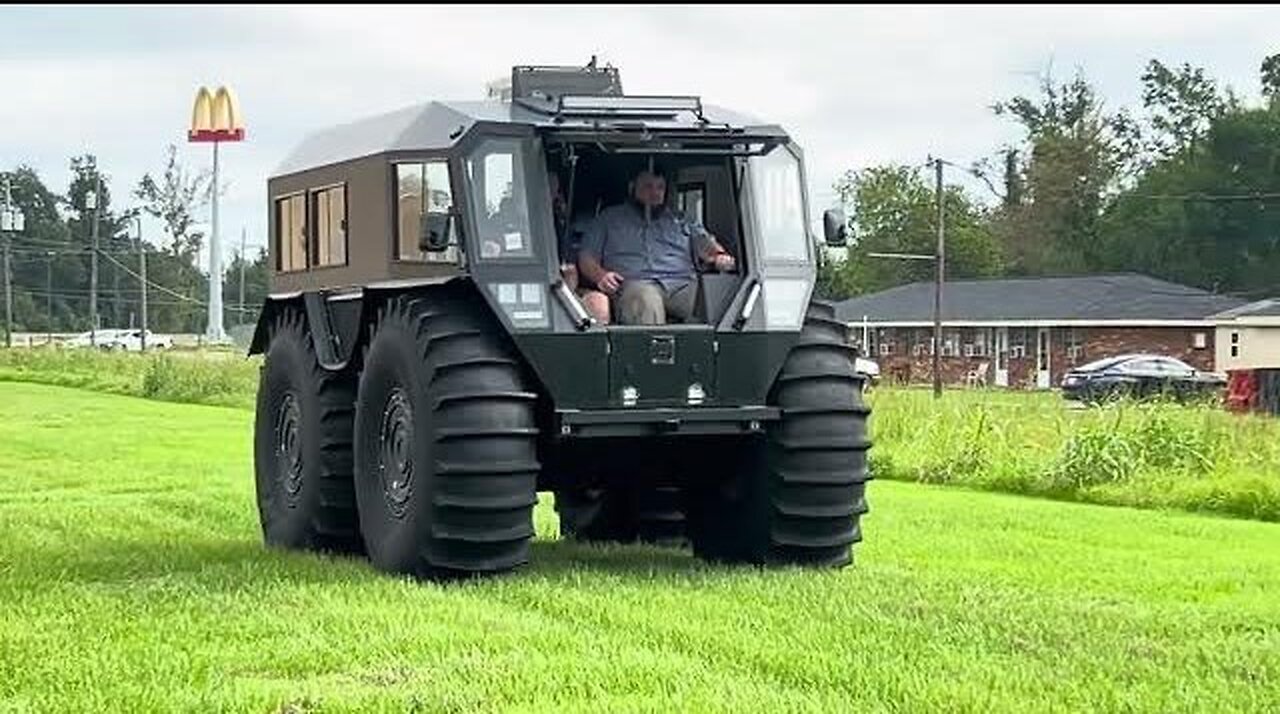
column 1199, row 340
column 1235, row 344
column 885, row 342
column 291, row 233
column 951, row 343
column 1017, row 343
column 975, row 342
column 413, row 181
column 1075, row 345
column 329, row 216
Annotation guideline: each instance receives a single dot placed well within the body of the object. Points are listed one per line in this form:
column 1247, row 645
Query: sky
column 855, row 86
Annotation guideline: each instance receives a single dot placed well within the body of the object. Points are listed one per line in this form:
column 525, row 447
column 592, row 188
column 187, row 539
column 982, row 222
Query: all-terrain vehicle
column 428, row 371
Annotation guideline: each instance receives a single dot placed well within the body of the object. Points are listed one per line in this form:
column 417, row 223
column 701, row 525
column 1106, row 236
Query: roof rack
column 616, row 107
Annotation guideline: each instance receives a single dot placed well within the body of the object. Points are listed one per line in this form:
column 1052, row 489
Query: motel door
column 1002, row 356
column 1042, row 358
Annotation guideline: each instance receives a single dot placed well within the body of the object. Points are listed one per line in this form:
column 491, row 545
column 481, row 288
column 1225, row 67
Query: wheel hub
column 289, row 446
column 395, row 451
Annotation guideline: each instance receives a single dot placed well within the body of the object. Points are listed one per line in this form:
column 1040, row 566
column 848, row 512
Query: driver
column 642, row 253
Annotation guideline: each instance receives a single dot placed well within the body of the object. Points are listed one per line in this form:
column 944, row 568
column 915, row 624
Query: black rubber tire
column 797, row 495
column 442, row 383
column 649, row 514
column 302, row 446
column 595, row 515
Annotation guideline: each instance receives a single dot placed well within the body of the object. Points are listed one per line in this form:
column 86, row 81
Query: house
column 1248, row 337
column 1028, row 332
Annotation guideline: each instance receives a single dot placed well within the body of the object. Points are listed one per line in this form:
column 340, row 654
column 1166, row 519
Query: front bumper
column 689, row 421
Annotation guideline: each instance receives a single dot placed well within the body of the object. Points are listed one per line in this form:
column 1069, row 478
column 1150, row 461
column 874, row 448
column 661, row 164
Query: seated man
column 642, row 253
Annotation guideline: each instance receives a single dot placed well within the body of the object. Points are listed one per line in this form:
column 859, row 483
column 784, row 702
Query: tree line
column 51, row 257
column 1186, row 188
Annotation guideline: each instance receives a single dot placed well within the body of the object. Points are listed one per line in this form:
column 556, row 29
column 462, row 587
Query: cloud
column 855, row 85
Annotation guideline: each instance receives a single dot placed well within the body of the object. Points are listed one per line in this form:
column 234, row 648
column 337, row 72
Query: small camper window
column 291, row 233
column 329, row 216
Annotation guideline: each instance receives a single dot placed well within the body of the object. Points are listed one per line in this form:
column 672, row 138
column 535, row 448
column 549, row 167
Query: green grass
column 1152, row 456
column 215, row 377
column 132, row 578
column 1197, row 458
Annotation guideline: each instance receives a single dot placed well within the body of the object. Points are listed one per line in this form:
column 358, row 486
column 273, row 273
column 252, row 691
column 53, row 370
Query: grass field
column 1150, row 456
column 132, row 578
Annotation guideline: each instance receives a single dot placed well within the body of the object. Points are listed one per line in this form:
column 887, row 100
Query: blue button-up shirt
column 658, row 249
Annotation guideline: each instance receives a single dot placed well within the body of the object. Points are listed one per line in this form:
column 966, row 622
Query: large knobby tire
column 302, row 446
column 445, row 454
column 646, row 514
column 797, row 495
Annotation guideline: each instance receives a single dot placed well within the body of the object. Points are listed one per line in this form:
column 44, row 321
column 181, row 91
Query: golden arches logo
column 215, row 116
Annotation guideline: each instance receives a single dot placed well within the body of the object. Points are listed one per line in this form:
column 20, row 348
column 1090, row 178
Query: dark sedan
column 1139, row 376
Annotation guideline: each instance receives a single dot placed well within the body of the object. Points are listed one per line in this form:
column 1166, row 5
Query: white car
column 104, row 338
column 867, row 368
column 131, row 341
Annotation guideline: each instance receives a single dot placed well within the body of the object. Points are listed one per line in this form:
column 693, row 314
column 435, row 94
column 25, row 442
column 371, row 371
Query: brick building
column 1027, row 332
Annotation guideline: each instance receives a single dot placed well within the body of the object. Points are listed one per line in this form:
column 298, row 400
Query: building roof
column 1262, row 308
column 438, row 125
column 1086, row 298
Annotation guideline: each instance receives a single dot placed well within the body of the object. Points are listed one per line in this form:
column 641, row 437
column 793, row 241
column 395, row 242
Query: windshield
column 1101, row 364
column 496, row 183
column 779, row 205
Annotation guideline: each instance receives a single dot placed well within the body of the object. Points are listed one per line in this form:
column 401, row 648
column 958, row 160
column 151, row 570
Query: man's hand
column 723, row 262
column 609, row 283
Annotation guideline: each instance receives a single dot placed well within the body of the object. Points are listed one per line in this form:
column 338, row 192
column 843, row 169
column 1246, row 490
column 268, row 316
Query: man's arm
column 709, row 249
column 589, row 264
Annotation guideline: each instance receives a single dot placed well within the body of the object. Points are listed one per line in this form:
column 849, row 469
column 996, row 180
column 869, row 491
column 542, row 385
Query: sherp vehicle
column 428, row 371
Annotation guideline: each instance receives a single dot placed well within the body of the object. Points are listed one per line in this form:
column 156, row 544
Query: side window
column 329, row 216
column 291, row 233
column 422, row 188
column 691, row 200
column 495, row 176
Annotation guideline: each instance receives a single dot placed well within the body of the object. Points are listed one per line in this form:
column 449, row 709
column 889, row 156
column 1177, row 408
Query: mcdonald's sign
column 215, row 117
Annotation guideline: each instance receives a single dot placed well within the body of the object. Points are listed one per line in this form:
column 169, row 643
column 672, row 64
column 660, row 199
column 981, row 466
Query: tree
column 1181, row 104
column 1076, row 155
column 256, row 277
column 1271, row 79
column 113, row 239
column 894, row 209
column 175, row 200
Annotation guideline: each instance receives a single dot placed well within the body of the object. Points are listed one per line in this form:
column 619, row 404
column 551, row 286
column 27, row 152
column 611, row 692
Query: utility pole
column 11, row 221
column 240, row 315
column 48, row 293
column 937, row 288
column 93, row 262
column 8, row 298
column 142, row 264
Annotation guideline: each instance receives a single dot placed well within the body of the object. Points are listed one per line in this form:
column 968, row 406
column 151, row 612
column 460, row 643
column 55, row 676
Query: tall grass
column 219, row 379
column 1197, row 457
column 1161, row 454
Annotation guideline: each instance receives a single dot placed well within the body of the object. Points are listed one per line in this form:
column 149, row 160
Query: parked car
column 869, row 369
column 1139, row 376
column 104, row 339
column 131, row 341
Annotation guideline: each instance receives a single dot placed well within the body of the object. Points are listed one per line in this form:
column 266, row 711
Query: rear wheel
column 445, row 453
column 797, row 495
column 648, row 514
column 302, row 446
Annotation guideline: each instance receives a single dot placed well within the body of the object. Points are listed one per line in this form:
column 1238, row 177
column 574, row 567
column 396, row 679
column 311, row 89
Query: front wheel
column 797, row 495
column 445, row 453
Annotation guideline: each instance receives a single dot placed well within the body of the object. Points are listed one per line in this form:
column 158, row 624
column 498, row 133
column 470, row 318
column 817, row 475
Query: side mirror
column 835, row 227
column 435, row 230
